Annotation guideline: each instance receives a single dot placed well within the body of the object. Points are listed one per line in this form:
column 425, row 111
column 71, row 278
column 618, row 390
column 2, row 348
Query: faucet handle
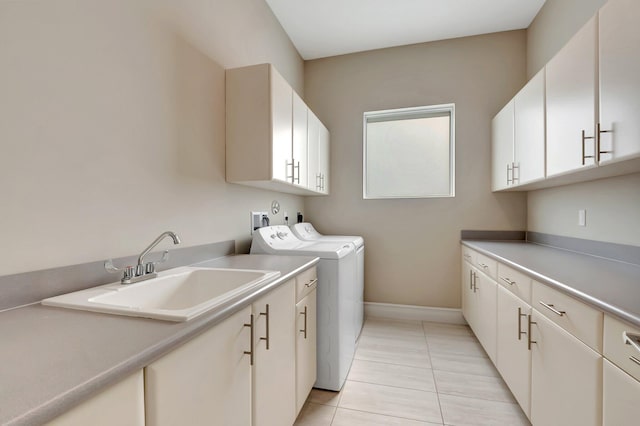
column 150, row 267
column 108, row 265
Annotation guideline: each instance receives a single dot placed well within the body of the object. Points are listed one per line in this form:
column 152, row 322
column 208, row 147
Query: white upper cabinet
column 502, row 134
column 318, row 137
column 571, row 103
column 529, row 130
column 323, row 159
column 300, row 159
column 619, row 80
column 518, row 138
column 580, row 112
column 282, row 126
column 267, row 132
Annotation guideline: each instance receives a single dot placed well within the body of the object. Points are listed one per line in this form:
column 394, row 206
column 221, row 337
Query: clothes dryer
column 306, row 232
column 335, row 302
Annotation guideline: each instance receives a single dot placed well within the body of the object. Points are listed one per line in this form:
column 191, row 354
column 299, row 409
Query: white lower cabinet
column 621, row 394
column 549, row 351
column 513, row 355
column 479, row 298
column 120, row 404
column 306, row 359
column 485, row 291
column 468, row 304
column 274, row 366
column 566, row 377
column 206, row 381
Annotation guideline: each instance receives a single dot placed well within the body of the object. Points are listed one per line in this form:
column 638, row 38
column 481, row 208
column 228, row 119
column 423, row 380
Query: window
column 409, row 153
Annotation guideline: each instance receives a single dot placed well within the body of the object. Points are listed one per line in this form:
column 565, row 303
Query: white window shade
column 409, row 153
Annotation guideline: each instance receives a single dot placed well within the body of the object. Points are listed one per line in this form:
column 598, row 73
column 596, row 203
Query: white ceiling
column 321, row 28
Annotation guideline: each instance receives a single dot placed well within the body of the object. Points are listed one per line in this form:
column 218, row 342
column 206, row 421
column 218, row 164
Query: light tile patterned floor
column 408, row 373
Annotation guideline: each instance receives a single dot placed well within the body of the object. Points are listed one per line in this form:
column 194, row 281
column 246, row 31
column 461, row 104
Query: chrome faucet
column 143, row 271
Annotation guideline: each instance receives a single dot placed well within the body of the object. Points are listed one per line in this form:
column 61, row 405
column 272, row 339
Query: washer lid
column 306, row 232
column 280, row 240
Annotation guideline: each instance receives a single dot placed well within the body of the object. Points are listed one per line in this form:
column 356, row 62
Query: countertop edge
column 590, row 300
column 81, row 393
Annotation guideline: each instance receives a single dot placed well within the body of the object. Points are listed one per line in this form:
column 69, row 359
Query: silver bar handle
column 584, row 138
column 475, row 282
column 520, row 315
column 599, row 133
column 507, row 280
column 552, row 308
column 529, row 324
column 470, row 280
column 509, row 169
column 305, row 321
column 266, row 314
column 293, row 170
column 631, row 339
column 514, row 178
column 297, row 179
column 311, row 283
column 250, row 352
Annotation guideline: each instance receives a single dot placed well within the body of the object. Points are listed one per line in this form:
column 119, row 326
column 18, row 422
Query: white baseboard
column 411, row 312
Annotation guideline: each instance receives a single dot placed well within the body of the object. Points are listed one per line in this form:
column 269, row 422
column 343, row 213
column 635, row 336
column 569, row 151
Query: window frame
column 403, row 114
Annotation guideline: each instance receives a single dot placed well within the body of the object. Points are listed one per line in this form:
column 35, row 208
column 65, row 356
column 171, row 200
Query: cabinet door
column 300, row 155
column 502, row 128
column 566, row 377
column 571, row 103
column 619, row 79
column 621, row 394
column 281, row 127
column 467, row 293
column 485, row 299
column 313, row 138
column 305, row 348
column 206, row 381
column 274, row 394
column 513, row 356
column 323, row 158
column 124, row 403
column 529, row 131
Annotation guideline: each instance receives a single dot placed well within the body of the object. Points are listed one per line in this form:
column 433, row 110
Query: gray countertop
column 609, row 285
column 54, row 358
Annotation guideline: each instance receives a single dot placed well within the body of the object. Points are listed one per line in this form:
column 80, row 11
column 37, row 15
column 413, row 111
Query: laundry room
column 274, row 212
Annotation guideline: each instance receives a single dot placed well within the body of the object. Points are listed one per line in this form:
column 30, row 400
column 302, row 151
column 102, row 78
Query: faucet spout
column 174, row 237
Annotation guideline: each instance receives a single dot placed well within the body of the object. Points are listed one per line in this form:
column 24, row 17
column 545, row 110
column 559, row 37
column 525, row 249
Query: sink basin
column 178, row 294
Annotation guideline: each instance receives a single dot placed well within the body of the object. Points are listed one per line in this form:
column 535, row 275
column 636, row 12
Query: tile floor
column 412, row 373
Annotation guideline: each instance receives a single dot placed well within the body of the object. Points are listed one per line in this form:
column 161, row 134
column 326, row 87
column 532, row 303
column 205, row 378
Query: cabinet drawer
column 514, row 281
column 469, row 255
column 305, row 282
column 617, row 350
column 487, row 265
column 582, row 321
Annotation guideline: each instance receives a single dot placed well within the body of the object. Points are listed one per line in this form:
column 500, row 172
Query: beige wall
column 112, row 126
column 555, row 24
column 612, row 205
column 413, row 251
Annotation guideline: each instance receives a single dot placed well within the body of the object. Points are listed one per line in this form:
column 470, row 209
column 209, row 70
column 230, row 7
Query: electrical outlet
column 256, row 220
column 582, row 217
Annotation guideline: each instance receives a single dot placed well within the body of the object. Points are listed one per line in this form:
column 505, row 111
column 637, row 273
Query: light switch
column 582, row 217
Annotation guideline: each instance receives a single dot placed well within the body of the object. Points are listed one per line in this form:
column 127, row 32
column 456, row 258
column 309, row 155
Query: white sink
column 178, row 294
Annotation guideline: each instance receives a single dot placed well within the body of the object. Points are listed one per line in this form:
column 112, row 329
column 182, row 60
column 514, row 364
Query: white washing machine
column 336, row 280
column 306, row 232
